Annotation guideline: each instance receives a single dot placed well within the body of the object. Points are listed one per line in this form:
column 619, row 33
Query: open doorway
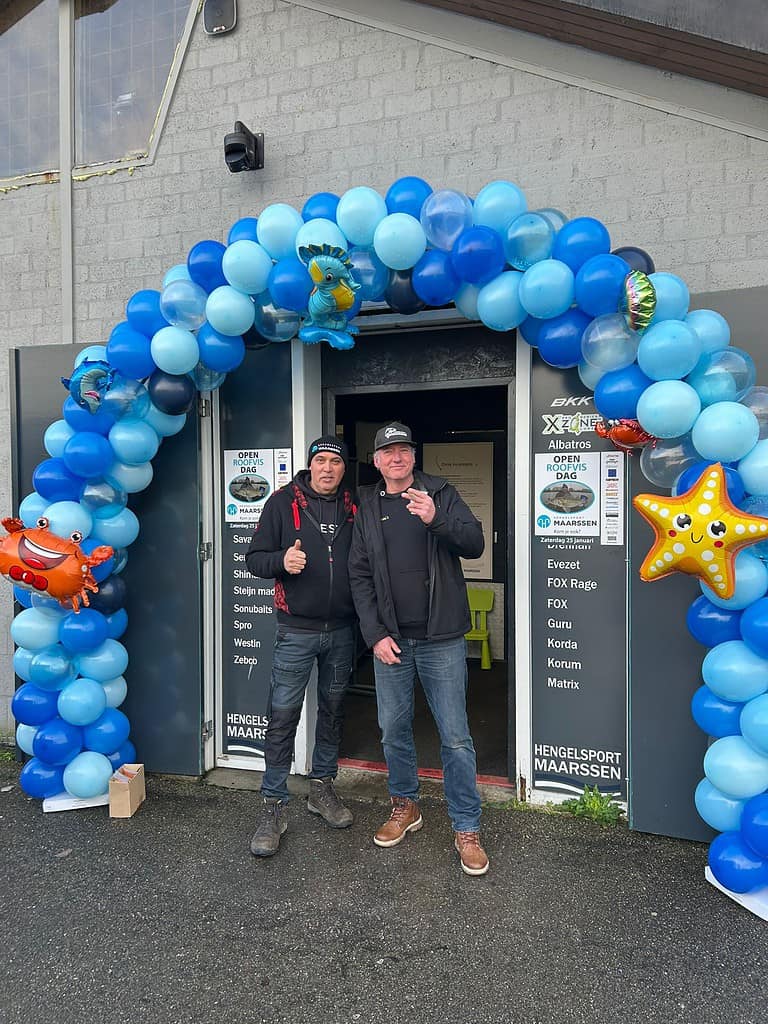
column 461, row 433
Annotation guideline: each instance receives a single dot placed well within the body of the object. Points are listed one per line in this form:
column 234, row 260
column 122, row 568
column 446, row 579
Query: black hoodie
column 318, row 598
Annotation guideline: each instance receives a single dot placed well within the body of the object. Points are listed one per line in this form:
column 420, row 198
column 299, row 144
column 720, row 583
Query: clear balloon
column 182, row 303
column 756, row 399
column 668, row 408
column 663, row 462
column 370, row 273
column 589, row 375
column 272, row 323
column 726, row 432
column 206, row 379
column 528, row 239
column 609, row 343
column 51, row 668
column 127, row 398
column 556, row 218
column 444, row 215
column 723, row 376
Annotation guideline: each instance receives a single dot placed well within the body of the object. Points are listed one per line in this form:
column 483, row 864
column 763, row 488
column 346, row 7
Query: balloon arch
column 664, row 379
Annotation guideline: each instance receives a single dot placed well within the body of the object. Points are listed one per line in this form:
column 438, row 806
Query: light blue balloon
column 466, row 301
column 163, row 423
column 498, row 302
column 320, row 231
column 103, row 497
column 104, row 662
column 134, row 442
column 175, row 349
column 22, row 659
column 608, row 342
column 668, row 408
column 118, row 531
column 56, row 437
column 82, row 701
column 546, row 289
column 115, row 690
column 273, row 323
column 723, row 376
column 711, row 329
column 733, row 767
column 246, row 265
column 229, row 312
column 720, row 812
column 35, row 629
column 668, row 351
column 96, row 352
column 672, row 297
column 178, row 273
column 444, row 215
column 734, row 672
column 753, row 470
column 87, row 775
column 359, row 213
column 399, row 241
column 31, row 508
column 182, row 303
column 725, row 432
column 25, row 736
column 528, row 239
column 497, row 204
column 276, row 231
column 126, row 398
column 754, row 723
column 751, row 583
column 131, row 478
column 67, row 517
column 370, row 273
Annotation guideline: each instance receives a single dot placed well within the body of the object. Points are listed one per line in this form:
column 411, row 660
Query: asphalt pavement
column 166, row 918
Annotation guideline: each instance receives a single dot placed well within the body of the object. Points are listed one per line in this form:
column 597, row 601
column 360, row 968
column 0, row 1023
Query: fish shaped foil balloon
column 90, row 381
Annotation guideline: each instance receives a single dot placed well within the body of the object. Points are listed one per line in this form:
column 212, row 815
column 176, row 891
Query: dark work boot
column 270, row 825
column 324, row 800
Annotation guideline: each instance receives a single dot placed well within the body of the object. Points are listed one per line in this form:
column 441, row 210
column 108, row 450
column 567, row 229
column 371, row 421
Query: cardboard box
column 127, row 791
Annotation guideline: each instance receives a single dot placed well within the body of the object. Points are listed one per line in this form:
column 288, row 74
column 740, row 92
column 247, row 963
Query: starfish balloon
column 699, row 532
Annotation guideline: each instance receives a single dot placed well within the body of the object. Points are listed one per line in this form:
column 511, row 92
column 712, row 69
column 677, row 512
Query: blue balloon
column 229, row 311
column 126, row 754
column 599, row 286
column 530, row 329
column 40, row 780
column 399, row 241
column 735, row 768
column 57, row 741
column 726, row 432
column 276, row 231
column 273, row 323
column 23, row 596
column 246, row 266
column 204, row 264
column 134, row 443
column 370, row 273
column 407, row 195
column 119, row 531
column 579, row 240
column 100, row 422
column 87, row 775
column 477, row 255
column 668, row 351
column 108, row 732
column 290, row 284
column 33, row 706
column 182, row 303
column 753, row 470
column 498, row 303
column 54, row 481
column 672, row 298
column 68, row 517
column 711, row 329
column 715, row 716
column 174, row 349
column 618, row 392
column 87, row 455
column 720, row 812
column 108, row 660
column 321, row 204
column 444, row 215
column 117, row 623
column 690, row 477
column 560, row 338
column 546, row 289
column 710, row 625
column 734, row 672
column 82, row 701
column 115, row 691
column 497, row 204
column 82, row 631
column 35, row 629
column 528, row 239
column 434, row 278
column 754, row 824
column 143, row 312
column 751, row 582
column 130, row 352
column 735, row 866
column 243, row 230
column 56, row 437
column 753, row 722
column 668, row 408
column 51, row 668
column 31, row 508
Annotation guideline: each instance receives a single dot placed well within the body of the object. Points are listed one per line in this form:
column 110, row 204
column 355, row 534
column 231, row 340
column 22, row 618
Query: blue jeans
column 294, row 655
column 442, row 669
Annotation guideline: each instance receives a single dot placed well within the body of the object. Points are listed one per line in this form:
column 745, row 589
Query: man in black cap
column 302, row 541
column 411, row 599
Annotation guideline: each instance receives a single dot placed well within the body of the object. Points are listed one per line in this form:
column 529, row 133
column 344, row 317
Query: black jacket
column 318, row 598
column 453, row 533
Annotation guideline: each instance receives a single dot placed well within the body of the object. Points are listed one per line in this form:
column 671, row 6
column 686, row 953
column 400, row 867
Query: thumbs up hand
column 294, row 559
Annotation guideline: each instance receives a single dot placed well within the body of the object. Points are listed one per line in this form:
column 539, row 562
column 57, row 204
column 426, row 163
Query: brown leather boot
column 474, row 860
column 405, row 817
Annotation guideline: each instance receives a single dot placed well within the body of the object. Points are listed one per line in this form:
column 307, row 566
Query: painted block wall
column 342, row 104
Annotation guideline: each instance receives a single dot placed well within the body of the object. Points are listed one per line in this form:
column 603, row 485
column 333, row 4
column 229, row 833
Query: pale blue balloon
column 115, row 691
column 444, row 215
column 108, row 660
column 131, row 478
column 672, row 297
column 668, row 408
column 134, row 442
column 359, row 213
column 67, row 517
column 103, row 497
column 725, row 432
column 711, row 329
column 94, row 352
column 276, row 231
column 82, row 701
column 720, row 812
column 498, row 303
column 35, row 629
column 723, row 376
column 118, row 531
column 609, row 343
column 31, row 508
column 163, row 423
column 273, row 323
column 175, row 349
column 753, row 469
column 56, row 437
column 733, row 671
column 751, row 583
column 126, row 397
column 229, row 312
column 466, row 301
column 546, row 289
column 733, row 767
column 182, row 303
column 321, row 231
column 668, row 351
column 87, row 775
column 25, row 736
column 178, row 273
column 399, row 241
column 588, row 375
column 754, row 723
column 497, row 204
column 369, row 272
column 247, row 265
column 528, row 239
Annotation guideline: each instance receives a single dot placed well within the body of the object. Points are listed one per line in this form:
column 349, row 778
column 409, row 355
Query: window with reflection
column 123, row 54
column 29, row 87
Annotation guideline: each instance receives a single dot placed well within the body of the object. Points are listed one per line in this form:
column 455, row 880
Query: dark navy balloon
column 399, row 294
column 638, row 259
column 711, row 625
column 111, row 595
column 171, row 393
column 715, row 716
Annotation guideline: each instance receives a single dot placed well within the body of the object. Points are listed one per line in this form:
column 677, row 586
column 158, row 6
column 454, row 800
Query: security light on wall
column 244, row 150
column 219, row 16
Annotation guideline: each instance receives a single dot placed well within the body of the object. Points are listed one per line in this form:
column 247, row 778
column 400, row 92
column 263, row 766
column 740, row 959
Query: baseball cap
column 393, row 433
column 328, row 443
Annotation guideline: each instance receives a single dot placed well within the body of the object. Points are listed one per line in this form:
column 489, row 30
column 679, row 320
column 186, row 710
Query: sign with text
column 469, row 467
column 250, row 476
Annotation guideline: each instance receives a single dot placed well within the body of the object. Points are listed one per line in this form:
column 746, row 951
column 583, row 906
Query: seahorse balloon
column 332, row 297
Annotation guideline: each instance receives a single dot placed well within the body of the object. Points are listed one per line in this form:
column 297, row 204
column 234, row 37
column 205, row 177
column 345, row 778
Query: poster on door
column 469, row 467
column 250, row 477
